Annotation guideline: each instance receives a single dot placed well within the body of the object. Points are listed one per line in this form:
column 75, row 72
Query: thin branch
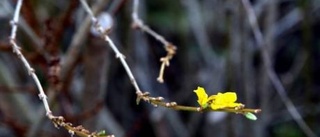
column 17, row 50
column 57, row 121
column 119, row 55
column 15, row 19
column 156, row 101
column 271, row 74
column 170, row 48
column 159, row 101
column 29, row 31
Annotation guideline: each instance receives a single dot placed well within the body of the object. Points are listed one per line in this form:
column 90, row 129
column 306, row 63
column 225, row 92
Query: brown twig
column 74, row 130
column 169, row 47
column 171, row 50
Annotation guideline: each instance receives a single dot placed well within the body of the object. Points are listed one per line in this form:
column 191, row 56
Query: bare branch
column 170, row 48
column 119, row 55
column 271, row 74
column 16, row 49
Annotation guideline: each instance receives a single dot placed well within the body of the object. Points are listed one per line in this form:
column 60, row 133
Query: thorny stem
column 271, row 74
column 170, row 48
column 159, row 101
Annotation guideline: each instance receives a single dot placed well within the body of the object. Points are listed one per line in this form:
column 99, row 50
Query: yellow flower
column 202, row 97
column 225, row 100
column 219, row 101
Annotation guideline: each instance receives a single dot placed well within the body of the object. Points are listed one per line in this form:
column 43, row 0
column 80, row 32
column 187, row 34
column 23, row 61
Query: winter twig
column 170, row 48
column 17, row 50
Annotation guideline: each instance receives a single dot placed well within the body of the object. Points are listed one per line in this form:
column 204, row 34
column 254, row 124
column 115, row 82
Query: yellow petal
column 230, row 97
column 216, row 106
column 202, row 96
column 212, row 97
column 224, row 100
column 233, row 105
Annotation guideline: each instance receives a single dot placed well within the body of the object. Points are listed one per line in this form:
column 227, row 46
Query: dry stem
column 170, row 48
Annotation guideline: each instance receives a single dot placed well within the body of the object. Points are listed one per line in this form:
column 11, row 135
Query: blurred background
column 217, row 50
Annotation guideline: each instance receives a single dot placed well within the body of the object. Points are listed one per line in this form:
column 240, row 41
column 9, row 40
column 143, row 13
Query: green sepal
column 204, row 106
column 250, row 116
column 101, row 133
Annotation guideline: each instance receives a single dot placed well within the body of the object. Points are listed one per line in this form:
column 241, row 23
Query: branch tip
column 199, row 109
column 160, row 79
column 257, row 111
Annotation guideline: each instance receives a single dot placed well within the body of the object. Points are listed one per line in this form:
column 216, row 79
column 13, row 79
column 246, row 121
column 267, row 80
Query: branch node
column 173, row 104
column 13, row 23
column 159, row 98
column 42, row 96
column 71, row 133
column 119, row 55
column 135, row 25
column 257, row 111
column 49, row 114
column 199, row 109
column 160, row 79
column 31, row 71
column 143, row 96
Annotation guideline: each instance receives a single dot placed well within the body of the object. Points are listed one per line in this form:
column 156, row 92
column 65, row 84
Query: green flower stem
column 174, row 106
column 241, row 111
